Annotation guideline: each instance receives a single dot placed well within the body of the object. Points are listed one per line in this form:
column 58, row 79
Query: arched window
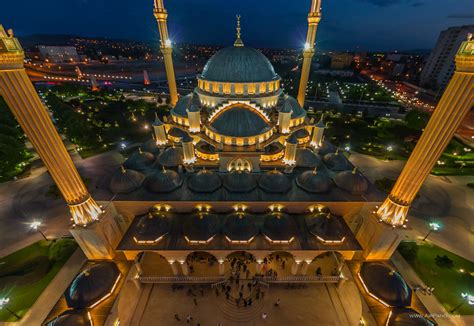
column 239, row 164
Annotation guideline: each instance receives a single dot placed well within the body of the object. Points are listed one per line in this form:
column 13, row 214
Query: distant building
column 58, row 54
column 440, row 64
column 341, row 60
column 398, row 69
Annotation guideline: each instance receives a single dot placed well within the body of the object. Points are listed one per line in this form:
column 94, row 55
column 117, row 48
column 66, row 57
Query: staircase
column 241, row 314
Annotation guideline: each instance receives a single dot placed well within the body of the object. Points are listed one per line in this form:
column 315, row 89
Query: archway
column 328, row 263
column 241, row 263
column 154, row 264
column 278, row 264
column 239, row 164
column 202, row 263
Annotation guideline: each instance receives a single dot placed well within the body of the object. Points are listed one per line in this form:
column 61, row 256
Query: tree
column 444, row 261
column 409, row 250
column 416, row 119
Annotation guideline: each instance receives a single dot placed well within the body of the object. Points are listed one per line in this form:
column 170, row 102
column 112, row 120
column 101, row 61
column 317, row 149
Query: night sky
column 346, row 24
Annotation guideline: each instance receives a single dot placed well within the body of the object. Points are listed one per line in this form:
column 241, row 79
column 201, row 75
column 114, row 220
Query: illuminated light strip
column 279, row 241
column 232, row 104
column 370, row 294
column 331, row 241
column 239, row 241
column 195, row 242
column 149, row 241
column 388, row 319
column 90, row 318
column 108, row 294
column 271, row 157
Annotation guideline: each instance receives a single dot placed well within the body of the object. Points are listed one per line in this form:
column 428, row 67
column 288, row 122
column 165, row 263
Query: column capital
column 11, row 52
column 309, row 52
column 161, row 15
column 465, row 56
column 314, row 18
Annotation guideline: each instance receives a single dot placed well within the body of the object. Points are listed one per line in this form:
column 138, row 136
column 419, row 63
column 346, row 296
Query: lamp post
column 35, row 227
column 3, row 305
column 469, row 298
column 433, row 227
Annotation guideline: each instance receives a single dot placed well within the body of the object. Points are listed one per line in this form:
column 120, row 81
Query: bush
column 444, row 261
column 61, row 250
column 409, row 250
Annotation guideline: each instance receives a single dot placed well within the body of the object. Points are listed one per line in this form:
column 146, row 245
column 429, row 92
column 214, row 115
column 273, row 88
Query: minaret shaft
column 161, row 16
column 457, row 100
column 314, row 18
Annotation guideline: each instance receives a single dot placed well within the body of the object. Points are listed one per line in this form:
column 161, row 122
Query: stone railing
column 300, row 279
column 180, row 279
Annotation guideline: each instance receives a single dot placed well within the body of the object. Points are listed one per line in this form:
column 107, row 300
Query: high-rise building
column 58, row 54
column 440, row 64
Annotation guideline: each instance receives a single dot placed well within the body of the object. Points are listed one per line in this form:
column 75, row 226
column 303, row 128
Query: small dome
column 386, row 284
column 176, row 133
column 124, row 181
column 206, row 148
column 239, row 181
column 183, row 104
column 139, row 160
column 274, row 182
column 337, row 161
column 171, row 157
column 91, row 284
column 239, row 121
column 301, row 133
column 274, row 148
column 71, row 318
column 238, row 65
column 205, row 181
column 240, row 226
column 314, row 181
column 152, row 226
column 408, row 317
column 150, row 146
column 290, row 104
column 201, row 226
column 352, row 181
column 163, row 181
column 278, row 226
column 325, row 227
column 326, row 148
column 306, row 158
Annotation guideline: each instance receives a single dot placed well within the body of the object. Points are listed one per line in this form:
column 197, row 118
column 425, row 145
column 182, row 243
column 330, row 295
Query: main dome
column 239, row 64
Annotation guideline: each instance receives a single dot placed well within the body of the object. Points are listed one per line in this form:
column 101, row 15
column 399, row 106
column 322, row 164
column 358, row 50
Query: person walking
column 241, row 295
column 188, row 319
column 250, row 302
column 264, row 315
column 195, row 302
column 277, row 303
column 177, row 317
column 249, row 286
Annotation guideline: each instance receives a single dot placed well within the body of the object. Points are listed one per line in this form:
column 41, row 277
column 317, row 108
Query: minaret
column 457, row 100
column 146, row 78
column 166, row 48
column 23, row 101
column 159, row 131
column 318, row 133
column 313, row 20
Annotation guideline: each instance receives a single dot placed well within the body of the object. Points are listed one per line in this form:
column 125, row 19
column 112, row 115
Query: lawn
column 449, row 283
column 25, row 273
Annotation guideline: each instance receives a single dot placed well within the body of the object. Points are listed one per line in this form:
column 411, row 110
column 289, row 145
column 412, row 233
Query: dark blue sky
column 346, row 24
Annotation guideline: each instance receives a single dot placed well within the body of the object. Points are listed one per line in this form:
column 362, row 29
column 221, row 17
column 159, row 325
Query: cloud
column 388, row 3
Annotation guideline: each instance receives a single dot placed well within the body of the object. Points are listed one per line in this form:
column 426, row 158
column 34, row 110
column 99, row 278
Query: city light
column 433, row 227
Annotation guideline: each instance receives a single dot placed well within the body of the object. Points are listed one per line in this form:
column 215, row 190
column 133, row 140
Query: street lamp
column 433, row 227
column 469, row 298
column 35, row 227
column 3, row 305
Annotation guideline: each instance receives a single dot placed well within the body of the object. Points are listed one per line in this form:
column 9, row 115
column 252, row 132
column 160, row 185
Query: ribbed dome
column 352, row 181
column 163, row 181
column 150, row 146
column 176, row 132
column 240, row 226
column 153, row 226
column 139, row 160
column 91, row 284
column 201, row 226
column 274, row 182
column 326, row 148
column 314, row 181
column 239, row 121
column 408, row 317
column 306, row 158
column 324, row 226
column 278, row 226
column 239, row 181
column 171, row 157
column 337, row 161
column 205, row 148
column 71, row 318
column 274, row 148
column 301, row 133
column 239, row 65
column 386, row 284
column 124, row 181
column 205, row 181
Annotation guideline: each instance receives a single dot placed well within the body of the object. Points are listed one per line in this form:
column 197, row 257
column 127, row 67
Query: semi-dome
column 239, row 121
column 408, row 317
column 171, row 157
column 240, row 226
column 352, row 181
column 274, row 182
column 239, row 181
column 125, row 180
column 337, row 161
column 150, row 146
column 153, row 226
column 205, row 181
column 279, row 227
column 274, row 148
column 325, row 227
column 139, row 160
column 91, row 285
column 163, row 181
column 314, row 181
column 201, row 227
column 71, row 318
column 386, row 284
column 306, row 158
column 239, row 64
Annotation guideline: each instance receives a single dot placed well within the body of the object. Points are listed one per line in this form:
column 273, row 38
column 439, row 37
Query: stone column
column 174, row 268
column 184, row 268
column 258, row 267
column 457, row 100
column 221, row 268
column 304, row 269
column 294, row 268
column 136, row 282
column 341, row 282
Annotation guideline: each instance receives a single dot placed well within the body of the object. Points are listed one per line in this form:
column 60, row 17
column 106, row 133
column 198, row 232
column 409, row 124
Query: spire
column 320, row 123
column 157, row 121
column 238, row 41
